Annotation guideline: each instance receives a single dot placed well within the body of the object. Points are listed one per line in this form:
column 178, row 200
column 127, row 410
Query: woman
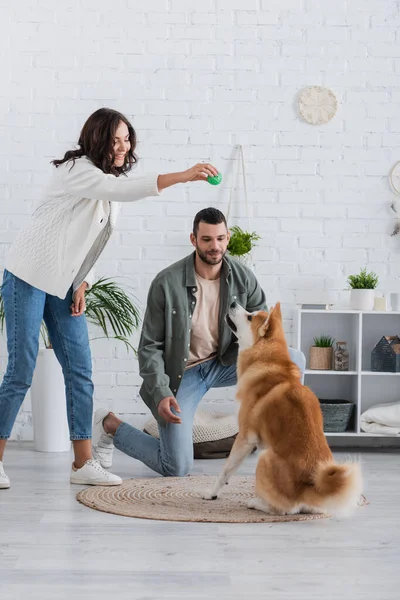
column 48, row 270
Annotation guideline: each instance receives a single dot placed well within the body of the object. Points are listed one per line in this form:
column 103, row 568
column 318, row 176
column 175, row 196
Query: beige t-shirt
column 204, row 331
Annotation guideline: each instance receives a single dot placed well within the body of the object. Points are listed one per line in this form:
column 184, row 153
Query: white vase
column 362, row 299
column 395, row 301
column 49, row 411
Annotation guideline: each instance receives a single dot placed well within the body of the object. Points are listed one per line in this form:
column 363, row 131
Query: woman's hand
column 78, row 301
column 199, row 172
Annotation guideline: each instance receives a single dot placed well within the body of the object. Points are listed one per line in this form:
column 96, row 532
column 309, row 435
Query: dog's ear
column 275, row 312
column 264, row 327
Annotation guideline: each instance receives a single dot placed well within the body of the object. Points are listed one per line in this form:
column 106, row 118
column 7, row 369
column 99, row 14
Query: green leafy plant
column 363, row 281
column 324, row 341
column 108, row 307
column 241, row 242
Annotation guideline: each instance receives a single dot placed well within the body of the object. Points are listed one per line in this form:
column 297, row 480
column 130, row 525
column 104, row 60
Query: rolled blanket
column 382, row 418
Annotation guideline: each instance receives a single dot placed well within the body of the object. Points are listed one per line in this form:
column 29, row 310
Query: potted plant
column 111, row 309
column 241, row 244
column 108, row 306
column 321, row 353
column 363, row 287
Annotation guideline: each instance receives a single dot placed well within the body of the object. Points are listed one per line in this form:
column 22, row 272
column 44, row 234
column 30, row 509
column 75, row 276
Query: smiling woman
column 108, row 140
column 49, row 267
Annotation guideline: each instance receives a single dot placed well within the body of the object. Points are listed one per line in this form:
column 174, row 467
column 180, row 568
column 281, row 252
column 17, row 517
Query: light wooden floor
column 52, row 547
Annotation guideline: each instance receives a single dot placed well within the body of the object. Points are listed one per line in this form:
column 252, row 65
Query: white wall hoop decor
column 317, row 105
column 395, row 177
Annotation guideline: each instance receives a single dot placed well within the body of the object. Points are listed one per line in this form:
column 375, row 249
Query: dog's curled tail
column 337, row 488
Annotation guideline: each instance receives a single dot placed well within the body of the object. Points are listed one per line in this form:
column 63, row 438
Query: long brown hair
column 96, row 141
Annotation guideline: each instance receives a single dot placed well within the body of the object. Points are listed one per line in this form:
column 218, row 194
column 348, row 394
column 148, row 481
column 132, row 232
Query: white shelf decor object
column 361, row 330
column 317, row 105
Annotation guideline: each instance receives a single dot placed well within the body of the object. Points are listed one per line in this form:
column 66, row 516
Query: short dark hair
column 210, row 215
column 96, row 142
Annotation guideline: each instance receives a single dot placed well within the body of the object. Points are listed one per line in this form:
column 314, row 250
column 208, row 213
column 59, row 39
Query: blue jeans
column 25, row 306
column 172, row 454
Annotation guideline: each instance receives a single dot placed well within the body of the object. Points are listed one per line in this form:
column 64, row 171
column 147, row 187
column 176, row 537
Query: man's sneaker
column 4, row 480
column 92, row 473
column 102, row 444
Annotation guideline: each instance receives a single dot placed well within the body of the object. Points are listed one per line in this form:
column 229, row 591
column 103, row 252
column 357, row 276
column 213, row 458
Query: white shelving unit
column 361, row 330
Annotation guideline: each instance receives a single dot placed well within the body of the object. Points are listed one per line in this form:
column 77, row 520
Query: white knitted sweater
column 79, row 202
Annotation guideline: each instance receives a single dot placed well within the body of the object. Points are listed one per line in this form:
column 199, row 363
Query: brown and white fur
column 296, row 472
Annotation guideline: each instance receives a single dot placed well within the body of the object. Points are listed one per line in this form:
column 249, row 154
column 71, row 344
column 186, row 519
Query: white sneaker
column 102, row 443
column 92, row 473
column 4, row 480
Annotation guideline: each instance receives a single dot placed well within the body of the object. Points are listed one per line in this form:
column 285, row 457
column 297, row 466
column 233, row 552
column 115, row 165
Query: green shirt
column 165, row 338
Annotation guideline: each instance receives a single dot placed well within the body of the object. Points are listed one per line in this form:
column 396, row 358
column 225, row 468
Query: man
column 185, row 349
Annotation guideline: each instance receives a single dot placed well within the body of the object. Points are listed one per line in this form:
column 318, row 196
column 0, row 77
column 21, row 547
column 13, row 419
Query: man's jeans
column 172, row 454
column 25, row 306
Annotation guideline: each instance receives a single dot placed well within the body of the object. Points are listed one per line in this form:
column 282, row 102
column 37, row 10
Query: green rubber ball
column 216, row 180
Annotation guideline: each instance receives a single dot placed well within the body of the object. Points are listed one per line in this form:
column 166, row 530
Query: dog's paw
column 252, row 503
column 209, row 495
column 259, row 504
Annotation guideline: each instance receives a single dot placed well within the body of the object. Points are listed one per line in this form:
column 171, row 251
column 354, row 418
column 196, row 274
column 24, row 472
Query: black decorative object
column 385, row 357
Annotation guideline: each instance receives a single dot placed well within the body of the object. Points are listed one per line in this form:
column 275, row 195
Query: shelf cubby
column 361, row 331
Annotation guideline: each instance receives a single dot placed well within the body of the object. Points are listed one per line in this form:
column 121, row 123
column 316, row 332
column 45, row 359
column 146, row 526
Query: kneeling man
column 185, row 349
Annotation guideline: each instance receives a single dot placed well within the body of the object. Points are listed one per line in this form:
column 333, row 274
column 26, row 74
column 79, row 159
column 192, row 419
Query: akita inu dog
column 296, row 471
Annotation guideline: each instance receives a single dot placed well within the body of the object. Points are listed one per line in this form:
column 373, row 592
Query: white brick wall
column 196, row 79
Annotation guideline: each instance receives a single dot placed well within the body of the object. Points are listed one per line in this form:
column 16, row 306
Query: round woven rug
column 180, row 499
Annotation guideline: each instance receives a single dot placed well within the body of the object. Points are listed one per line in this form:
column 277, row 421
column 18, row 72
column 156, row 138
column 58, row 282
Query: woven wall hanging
column 317, row 105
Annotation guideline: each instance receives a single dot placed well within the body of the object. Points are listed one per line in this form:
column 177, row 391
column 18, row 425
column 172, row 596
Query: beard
column 210, row 258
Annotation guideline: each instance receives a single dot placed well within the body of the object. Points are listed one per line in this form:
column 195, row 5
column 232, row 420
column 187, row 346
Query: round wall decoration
column 317, row 105
column 395, row 177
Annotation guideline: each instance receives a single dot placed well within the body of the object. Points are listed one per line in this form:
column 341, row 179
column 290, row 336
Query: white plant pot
column 362, row 299
column 49, row 411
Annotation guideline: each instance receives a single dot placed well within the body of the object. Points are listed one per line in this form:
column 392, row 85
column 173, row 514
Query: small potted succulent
column 321, row 353
column 363, row 287
column 241, row 244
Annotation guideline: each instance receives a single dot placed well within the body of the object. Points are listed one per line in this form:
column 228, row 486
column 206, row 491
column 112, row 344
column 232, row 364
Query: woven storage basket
column 336, row 414
column 321, row 358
